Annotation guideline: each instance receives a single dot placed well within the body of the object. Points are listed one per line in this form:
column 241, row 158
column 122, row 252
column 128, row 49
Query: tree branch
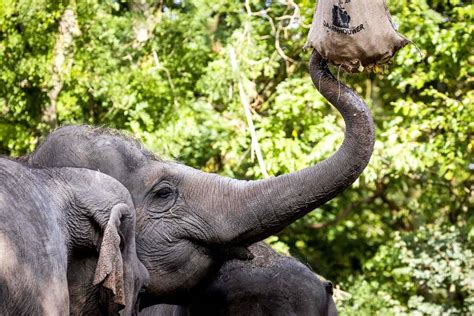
column 245, row 104
column 62, row 61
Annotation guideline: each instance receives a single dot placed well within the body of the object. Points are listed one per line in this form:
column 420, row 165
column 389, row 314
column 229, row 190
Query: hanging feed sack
column 354, row 34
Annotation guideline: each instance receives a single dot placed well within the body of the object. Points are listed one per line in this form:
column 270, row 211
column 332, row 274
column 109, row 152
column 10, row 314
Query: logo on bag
column 340, row 22
column 340, row 18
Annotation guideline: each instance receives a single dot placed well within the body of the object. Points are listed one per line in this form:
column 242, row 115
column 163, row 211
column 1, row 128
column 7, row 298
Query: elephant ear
column 109, row 272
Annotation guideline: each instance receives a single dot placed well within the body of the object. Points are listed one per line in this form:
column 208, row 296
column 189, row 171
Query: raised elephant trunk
column 182, row 213
column 264, row 207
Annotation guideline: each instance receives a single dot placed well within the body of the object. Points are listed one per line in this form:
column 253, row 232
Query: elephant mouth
column 236, row 252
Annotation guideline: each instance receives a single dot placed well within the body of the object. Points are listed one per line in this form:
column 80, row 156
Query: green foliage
column 399, row 241
column 429, row 271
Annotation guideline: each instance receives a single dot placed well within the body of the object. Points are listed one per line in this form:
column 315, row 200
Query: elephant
column 189, row 220
column 270, row 284
column 50, row 215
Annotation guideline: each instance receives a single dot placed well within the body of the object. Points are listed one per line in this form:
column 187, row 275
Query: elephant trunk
column 264, row 207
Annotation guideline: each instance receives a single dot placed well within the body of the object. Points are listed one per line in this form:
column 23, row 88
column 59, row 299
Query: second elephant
column 269, row 285
column 48, row 216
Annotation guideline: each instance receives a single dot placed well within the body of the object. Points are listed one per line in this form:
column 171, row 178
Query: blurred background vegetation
column 400, row 241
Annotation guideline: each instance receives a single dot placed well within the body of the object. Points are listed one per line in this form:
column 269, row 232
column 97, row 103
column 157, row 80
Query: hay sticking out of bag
column 354, row 34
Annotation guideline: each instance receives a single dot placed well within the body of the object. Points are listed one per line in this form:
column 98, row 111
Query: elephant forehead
column 129, row 151
column 151, row 175
column 154, row 171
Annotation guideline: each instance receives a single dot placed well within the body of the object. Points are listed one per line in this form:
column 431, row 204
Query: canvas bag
column 354, row 34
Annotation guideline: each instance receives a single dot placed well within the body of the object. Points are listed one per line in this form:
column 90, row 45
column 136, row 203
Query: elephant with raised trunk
column 187, row 219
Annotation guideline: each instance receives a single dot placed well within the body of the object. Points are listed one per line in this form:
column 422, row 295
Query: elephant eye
column 164, row 193
column 161, row 198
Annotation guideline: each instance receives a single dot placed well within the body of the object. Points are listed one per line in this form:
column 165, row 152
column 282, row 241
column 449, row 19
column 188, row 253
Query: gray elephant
column 188, row 220
column 48, row 216
column 270, row 284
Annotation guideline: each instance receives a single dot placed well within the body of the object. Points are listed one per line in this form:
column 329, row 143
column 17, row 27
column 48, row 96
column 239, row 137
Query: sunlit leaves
column 431, row 268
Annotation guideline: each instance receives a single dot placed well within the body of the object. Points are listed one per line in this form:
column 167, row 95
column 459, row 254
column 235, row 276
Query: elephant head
column 270, row 284
column 187, row 218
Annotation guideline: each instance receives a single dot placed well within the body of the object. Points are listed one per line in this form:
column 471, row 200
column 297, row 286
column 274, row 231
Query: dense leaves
column 400, row 241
